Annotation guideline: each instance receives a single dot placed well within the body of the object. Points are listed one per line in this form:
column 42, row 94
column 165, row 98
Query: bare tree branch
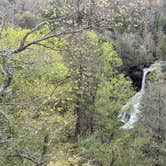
column 22, row 43
column 2, row 25
column 46, row 46
column 23, row 46
column 39, row 26
column 8, row 72
column 27, row 157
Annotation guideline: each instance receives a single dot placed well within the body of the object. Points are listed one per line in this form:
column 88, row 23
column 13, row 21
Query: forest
column 82, row 83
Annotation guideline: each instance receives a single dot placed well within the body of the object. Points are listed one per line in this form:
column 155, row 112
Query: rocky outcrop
column 135, row 73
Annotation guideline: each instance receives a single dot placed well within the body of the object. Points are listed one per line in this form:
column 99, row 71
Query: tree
column 83, row 55
column 153, row 121
column 38, row 110
column 112, row 92
column 24, row 43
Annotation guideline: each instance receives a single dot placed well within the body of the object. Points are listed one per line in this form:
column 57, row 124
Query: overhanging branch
column 24, row 45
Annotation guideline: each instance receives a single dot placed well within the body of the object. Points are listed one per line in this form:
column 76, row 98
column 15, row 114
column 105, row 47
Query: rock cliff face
column 135, row 73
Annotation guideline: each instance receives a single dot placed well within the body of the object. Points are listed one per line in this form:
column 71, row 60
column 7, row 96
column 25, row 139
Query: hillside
column 82, row 83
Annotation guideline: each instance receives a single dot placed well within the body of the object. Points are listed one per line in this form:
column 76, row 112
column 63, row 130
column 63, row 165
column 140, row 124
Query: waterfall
column 129, row 112
column 145, row 72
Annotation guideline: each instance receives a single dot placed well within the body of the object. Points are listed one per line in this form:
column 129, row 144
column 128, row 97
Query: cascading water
column 129, row 112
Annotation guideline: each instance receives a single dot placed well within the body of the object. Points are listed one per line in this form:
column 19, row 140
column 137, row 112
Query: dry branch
column 8, row 72
column 2, row 25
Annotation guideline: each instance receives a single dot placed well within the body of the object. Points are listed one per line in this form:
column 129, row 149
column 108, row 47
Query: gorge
column 129, row 113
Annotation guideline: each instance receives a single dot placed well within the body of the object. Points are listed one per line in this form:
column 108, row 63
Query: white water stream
column 129, row 112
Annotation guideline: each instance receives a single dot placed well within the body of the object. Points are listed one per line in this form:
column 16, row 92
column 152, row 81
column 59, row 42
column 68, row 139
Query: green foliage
column 92, row 147
column 133, row 51
column 113, row 91
column 162, row 47
column 47, row 88
column 38, row 105
column 62, row 105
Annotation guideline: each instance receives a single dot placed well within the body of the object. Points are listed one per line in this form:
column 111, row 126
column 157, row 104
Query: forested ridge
column 82, row 83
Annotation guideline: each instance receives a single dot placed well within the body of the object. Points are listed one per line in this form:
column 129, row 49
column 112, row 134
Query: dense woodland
column 66, row 69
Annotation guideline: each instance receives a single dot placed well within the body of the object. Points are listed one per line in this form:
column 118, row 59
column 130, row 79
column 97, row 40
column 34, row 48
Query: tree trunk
column 44, row 150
